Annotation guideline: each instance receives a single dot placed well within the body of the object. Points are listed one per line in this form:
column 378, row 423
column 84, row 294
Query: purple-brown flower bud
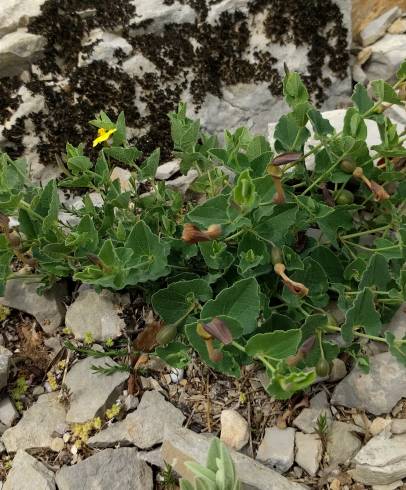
column 219, row 330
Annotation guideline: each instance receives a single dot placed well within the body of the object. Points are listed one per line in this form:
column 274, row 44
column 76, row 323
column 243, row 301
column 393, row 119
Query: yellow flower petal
column 103, row 135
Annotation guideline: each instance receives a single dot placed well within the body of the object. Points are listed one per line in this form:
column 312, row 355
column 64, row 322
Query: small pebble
column 234, row 429
column 378, row 425
column 57, row 444
column 38, row 390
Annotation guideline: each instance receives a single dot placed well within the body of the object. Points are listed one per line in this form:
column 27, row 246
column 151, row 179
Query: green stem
column 260, row 357
column 322, row 176
column 382, row 249
column 366, row 232
column 358, row 334
column 235, row 235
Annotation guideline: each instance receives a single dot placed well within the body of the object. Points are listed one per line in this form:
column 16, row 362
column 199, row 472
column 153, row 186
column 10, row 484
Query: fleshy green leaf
column 376, row 273
column 361, row 99
column 149, row 167
column 175, row 354
column 397, row 347
column 385, row 92
column 278, row 344
column 362, row 314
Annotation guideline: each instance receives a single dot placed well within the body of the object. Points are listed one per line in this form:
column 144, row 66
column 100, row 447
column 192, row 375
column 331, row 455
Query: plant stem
column 366, row 232
column 358, row 334
column 260, row 357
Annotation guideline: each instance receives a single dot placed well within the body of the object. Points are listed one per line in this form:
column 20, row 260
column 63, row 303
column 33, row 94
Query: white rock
column 235, row 431
column 306, row 421
column 17, row 13
column 161, row 13
column 144, row 428
column 319, row 401
column 181, row 445
column 359, row 75
column 277, row 449
column 377, row 28
column 387, row 55
column 376, row 392
column 228, row 6
column 8, row 413
column 378, row 425
column 398, row 426
column 391, row 486
column 57, row 444
column 342, row 443
column 381, row 461
column 111, row 469
column 5, row 356
column 166, row 170
column 397, row 326
column 48, row 309
column 27, row 473
column 183, row 182
column 338, row 370
column 138, row 65
column 105, row 48
column 398, row 27
column 37, row 425
column 91, row 393
column 309, row 451
column 123, row 175
column 18, row 50
column 95, row 313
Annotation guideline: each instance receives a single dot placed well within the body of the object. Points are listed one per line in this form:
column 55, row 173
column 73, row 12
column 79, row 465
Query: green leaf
column 6, row 256
column 397, row 347
column 361, row 99
column 320, row 124
column 283, row 386
column 294, row 89
column 215, row 254
column 339, row 218
column 278, row 344
column 276, row 227
column 376, row 273
column 401, row 73
column 354, row 125
column 330, row 263
column 289, row 136
column 385, row 92
column 128, row 156
column 240, row 301
column 212, row 211
column 79, row 164
column 244, row 195
column 175, row 301
column 149, row 168
column 291, row 259
column 362, row 314
column 175, row 354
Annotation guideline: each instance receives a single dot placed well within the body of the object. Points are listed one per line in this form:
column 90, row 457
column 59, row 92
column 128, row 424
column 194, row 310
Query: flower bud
column 202, row 332
column 219, row 330
column 379, row 192
column 191, row 233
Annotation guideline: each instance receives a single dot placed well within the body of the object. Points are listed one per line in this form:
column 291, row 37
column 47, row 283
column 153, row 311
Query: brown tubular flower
column 296, row 287
column 302, row 352
column 219, row 330
column 276, row 174
column 285, row 158
column 215, row 355
column 191, row 233
column 378, row 191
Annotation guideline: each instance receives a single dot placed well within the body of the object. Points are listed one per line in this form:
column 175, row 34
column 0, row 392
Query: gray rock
column 398, row 426
column 391, row 486
column 97, row 314
column 309, row 451
column 277, row 449
column 387, row 55
column 37, row 425
column 27, row 473
column 398, row 27
column 138, row 65
column 47, row 309
column 342, row 443
column 397, row 325
column 183, row 182
column 153, row 457
column 376, row 392
column 182, row 445
column 306, row 421
column 105, row 46
column 160, row 13
column 338, row 370
column 377, row 28
column 8, row 413
column 166, row 170
column 111, row 469
column 18, row 50
column 5, row 356
column 92, row 393
column 319, row 401
column 140, row 427
column 17, row 13
column 382, row 460
column 235, row 431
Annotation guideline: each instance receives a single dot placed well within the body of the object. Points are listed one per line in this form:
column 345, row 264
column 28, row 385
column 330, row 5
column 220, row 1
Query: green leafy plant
column 247, row 266
column 218, row 474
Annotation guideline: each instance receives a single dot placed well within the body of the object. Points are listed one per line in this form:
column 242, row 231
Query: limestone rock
column 377, row 28
column 8, row 413
column 397, row 325
column 37, row 425
column 160, row 13
column 17, row 13
column 96, row 313
column 47, row 309
column 277, row 448
column 382, row 460
column 18, row 50
column 398, row 27
column 342, row 443
column 5, row 356
column 338, row 370
column 398, row 426
column 123, row 176
column 166, row 170
column 153, row 457
column 144, row 427
column 306, row 421
column 387, row 55
column 105, row 47
column 91, row 393
column 183, row 182
column 111, row 469
column 378, row 425
column 138, row 65
column 234, row 429
column 182, row 445
column 27, row 473
column 376, row 392
column 309, row 451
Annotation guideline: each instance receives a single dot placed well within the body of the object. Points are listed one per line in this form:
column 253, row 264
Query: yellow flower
column 103, row 135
